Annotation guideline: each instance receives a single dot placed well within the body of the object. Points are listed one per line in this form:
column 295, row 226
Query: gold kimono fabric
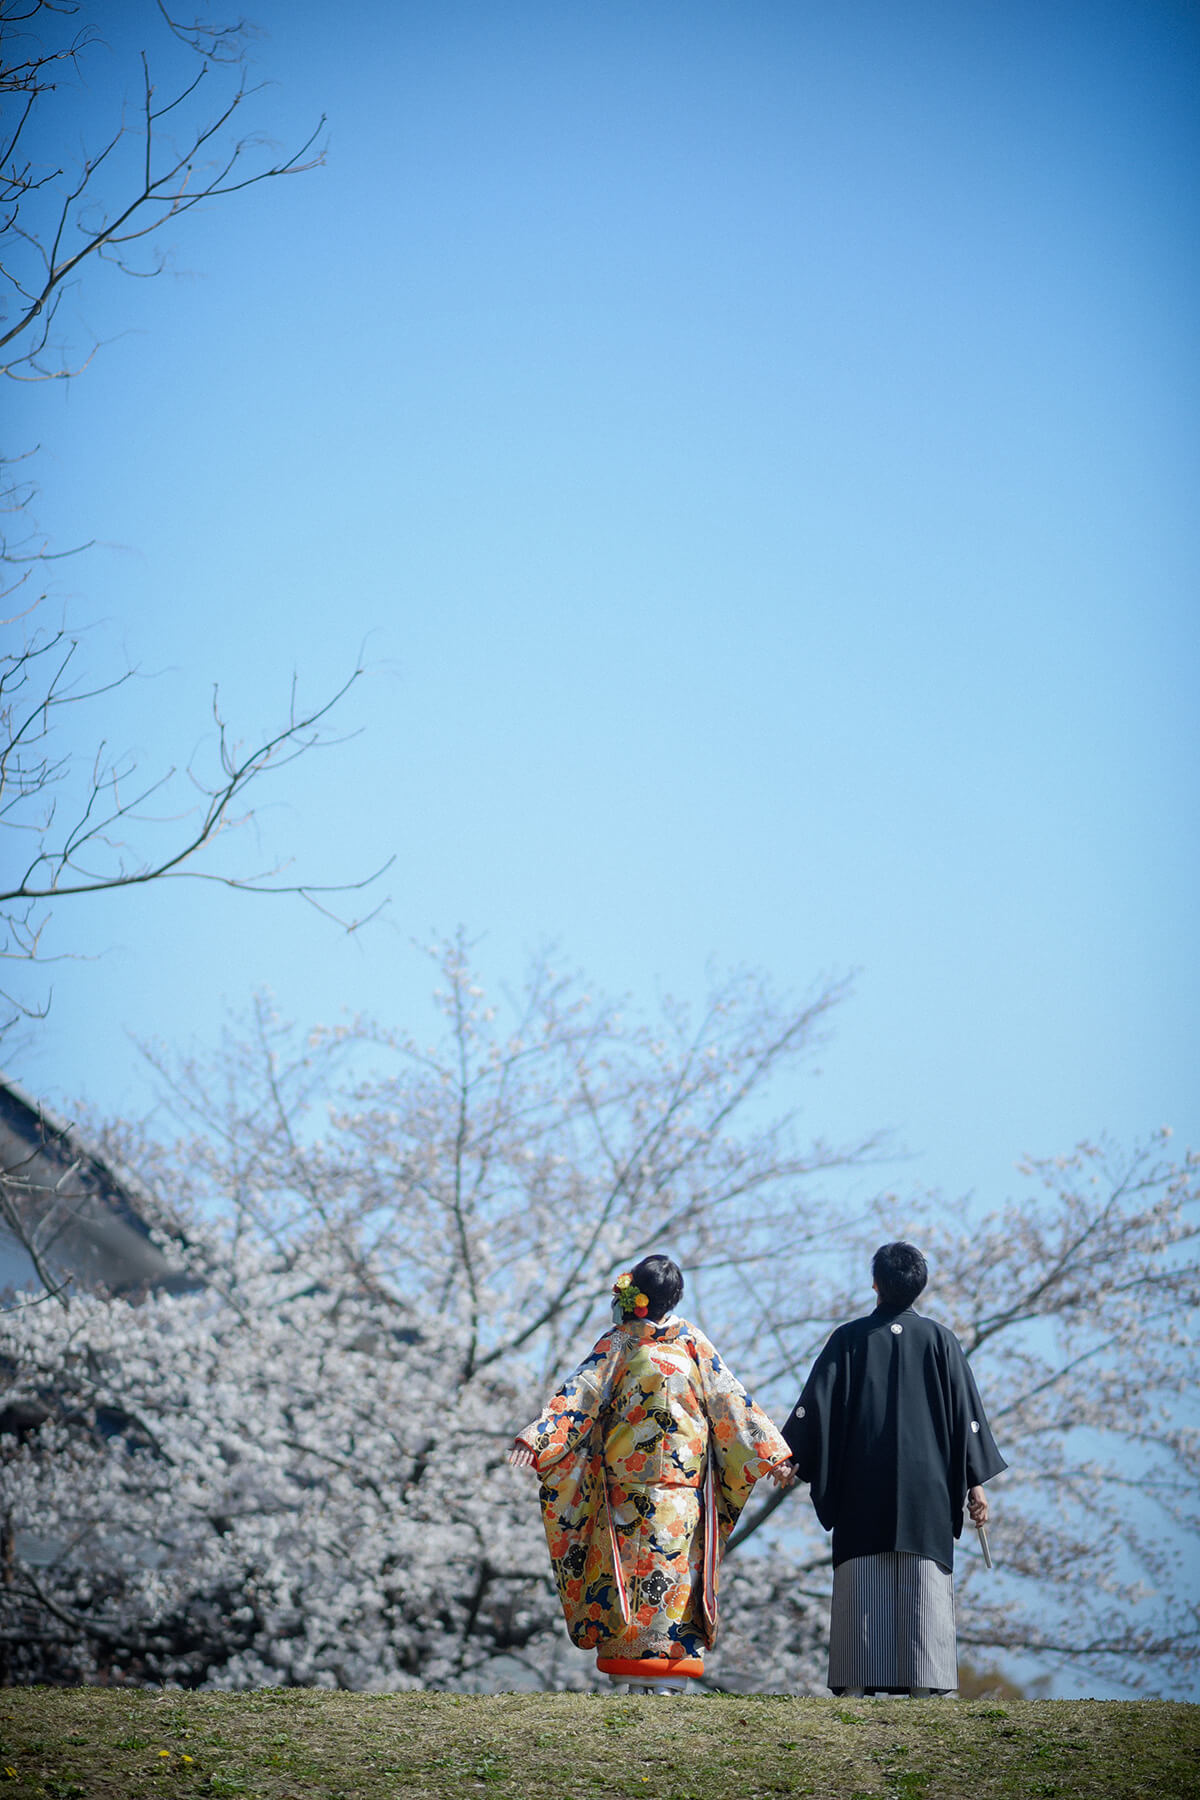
column 646, row 1456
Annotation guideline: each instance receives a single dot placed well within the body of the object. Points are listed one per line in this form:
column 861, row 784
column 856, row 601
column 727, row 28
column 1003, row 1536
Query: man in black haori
column 891, row 1435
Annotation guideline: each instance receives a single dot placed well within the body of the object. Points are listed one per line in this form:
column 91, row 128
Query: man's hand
column 783, row 1474
column 521, row 1456
column 977, row 1506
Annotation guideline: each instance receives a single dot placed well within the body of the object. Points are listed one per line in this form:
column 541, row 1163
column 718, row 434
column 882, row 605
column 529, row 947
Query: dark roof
column 65, row 1209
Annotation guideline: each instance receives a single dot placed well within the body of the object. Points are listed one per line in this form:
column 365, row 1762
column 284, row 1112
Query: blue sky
column 755, row 446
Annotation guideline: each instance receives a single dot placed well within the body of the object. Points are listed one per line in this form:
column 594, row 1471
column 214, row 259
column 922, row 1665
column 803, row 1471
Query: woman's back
column 656, row 1430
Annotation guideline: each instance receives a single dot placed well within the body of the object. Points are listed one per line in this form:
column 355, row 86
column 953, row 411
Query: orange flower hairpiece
column 633, row 1304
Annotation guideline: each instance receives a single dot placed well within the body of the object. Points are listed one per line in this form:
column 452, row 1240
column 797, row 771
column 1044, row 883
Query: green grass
column 101, row 1744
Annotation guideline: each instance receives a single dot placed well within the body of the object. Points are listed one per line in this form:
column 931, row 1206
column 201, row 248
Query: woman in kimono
column 646, row 1456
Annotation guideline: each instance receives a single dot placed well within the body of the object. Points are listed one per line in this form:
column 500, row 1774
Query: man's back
column 890, row 1433
column 891, row 1436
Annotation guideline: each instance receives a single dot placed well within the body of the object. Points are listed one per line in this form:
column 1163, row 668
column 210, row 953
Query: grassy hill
column 99, row 1744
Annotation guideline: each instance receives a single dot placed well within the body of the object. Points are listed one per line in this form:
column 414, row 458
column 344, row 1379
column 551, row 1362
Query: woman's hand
column 783, row 1474
column 521, row 1456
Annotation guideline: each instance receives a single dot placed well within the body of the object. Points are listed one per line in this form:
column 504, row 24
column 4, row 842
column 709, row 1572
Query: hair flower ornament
column 633, row 1304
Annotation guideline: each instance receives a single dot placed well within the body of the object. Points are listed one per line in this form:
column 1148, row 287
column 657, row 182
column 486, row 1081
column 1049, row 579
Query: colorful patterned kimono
column 646, row 1456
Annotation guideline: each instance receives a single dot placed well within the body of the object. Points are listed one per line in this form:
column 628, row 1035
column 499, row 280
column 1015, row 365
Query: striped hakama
column 893, row 1624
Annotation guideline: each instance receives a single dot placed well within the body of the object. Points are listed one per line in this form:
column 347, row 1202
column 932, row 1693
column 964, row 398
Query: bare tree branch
column 181, row 144
column 57, row 220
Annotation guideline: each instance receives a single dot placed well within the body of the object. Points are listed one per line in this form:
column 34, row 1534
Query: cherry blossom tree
column 1077, row 1304
column 395, row 1248
column 294, row 1472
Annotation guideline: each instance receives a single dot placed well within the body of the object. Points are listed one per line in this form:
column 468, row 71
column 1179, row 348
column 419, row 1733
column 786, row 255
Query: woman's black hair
column 900, row 1272
column 661, row 1281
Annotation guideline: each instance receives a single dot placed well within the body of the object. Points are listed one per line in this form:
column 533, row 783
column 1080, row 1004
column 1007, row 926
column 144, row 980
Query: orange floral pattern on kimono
column 646, row 1456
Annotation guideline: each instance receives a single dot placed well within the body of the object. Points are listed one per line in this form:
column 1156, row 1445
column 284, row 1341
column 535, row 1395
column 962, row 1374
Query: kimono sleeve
column 569, row 1415
column 977, row 1457
column 813, row 1427
column 743, row 1443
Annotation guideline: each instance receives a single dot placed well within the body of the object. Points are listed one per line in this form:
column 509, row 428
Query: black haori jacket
column 890, row 1433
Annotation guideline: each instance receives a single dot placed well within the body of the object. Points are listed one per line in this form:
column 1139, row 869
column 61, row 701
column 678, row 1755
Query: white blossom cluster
column 294, row 1472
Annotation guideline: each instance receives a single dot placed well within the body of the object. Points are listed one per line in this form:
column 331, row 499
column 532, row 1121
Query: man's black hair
column 661, row 1281
column 900, row 1273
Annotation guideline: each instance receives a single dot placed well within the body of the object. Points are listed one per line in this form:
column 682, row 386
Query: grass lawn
column 105, row 1744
